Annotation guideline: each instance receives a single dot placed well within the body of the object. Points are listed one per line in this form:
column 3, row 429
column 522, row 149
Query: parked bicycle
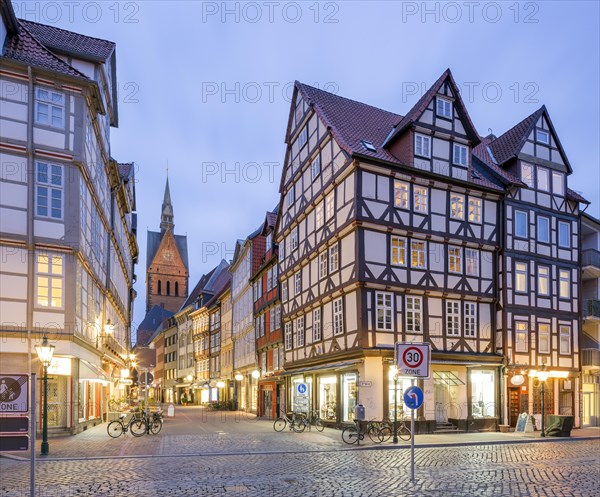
column 387, row 430
column 312, row 419
column 154, row 422
column 292, row 419
column 136, row 424
column 356, row 432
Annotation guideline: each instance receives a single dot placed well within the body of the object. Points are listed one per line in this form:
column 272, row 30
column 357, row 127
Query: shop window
column 327, row 397
column 483, row 394
column 348, row 396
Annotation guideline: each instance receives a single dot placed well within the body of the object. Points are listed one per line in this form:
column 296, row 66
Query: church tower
column 167, row 270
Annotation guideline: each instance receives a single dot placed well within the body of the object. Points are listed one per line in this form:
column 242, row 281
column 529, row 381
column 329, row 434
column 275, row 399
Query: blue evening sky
column 205, row 86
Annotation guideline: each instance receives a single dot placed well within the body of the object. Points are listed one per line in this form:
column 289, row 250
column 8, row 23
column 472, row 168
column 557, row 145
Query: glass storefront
column 397, row 395
column 483, row 393
column 348, row 396
column 327, row 403
column 301, row 403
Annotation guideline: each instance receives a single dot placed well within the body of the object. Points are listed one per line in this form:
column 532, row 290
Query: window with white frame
column 49, row 280
column 300, row 332
column 417, row 254
column 470, row 319
column 398, row 248
column 49, row 108
column 383, row 309
column 564, row 234
column 543, row 229
column 543, row 280
column 460, row 156
column 294, row 238
column 320, row 215
column 288, row 336
column 317, row 330
column 277, row 323
column 291, row 195
column 281, row 249
column 275, row 359
column 330, row 206
column 401, row 192
column 521, row 336
column 414, row 314
column 543, row 181
column 420, row 199
column 334, row 258
column 472, row 262
column 284, row 290
column 564, row 283
column 315, row 167
column 323, row 264
column 338, row 317
column 558, row 183
column 422, row 145
column 527, row 174
column 521, row 230
column 271, row 320
column 452, row 318
column 443, row 107
column 455, row 259
column 298, row 283
column 457, row 206
column 542, row 136
column 521, row 277
column 475, row 210
column 543, row 338
column 303, row 137
column 49, row 190
column 565, row 339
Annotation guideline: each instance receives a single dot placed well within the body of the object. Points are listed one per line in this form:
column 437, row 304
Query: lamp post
column 543, row 376
column 45, row 351
column 395, row 371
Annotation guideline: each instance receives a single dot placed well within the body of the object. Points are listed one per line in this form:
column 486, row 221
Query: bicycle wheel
column 385, row 433
column 404, row 432
column 279, row 424
column 350, row 435
column 319, row 425
column 114, row 429
column 156, row 426
column 138, row 427
column 374, row 432
column 299, row 425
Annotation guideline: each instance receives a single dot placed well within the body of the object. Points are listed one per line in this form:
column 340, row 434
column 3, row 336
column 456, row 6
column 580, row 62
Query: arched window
column 159, row 287
column 168, row 288
column 177, row 289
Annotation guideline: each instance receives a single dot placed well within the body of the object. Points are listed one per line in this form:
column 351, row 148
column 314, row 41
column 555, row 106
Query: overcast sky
column 205, row 89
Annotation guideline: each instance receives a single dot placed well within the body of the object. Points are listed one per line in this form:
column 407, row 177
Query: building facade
column 68, row 231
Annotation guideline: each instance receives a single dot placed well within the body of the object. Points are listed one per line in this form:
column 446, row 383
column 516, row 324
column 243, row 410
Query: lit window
column 417, row 254
column 444, row 107
column 319, row 215
column 330, row 206
column 542, row 136
column 564, row 284
column 521, row 277
column 317, row 325
column 564, row 234
column 423, row 145
column 383, row 309
column 398, row 254
column 315, row 167
column 475, row 210
column 420, row 197
column 460, row 156
column 49, row 190
column 457, row 206
column 414, row 316
column 543, row 181
column 565, row 339
column 333, row 258
column 49, row 285
column 323, row 264
column 527, row 174
column 470, row 319
column 49, row 108
column 521, row 224
column 543, row 229
column 452, row 318
column 338, row 317
column 455, row 259
column 543, row 280
column 401, row 190
column 521, row 337
column 558, row 186
column 544, row 338
column 472, row 262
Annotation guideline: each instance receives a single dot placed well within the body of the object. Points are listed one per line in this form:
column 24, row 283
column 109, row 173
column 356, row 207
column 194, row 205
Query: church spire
column 166, row 217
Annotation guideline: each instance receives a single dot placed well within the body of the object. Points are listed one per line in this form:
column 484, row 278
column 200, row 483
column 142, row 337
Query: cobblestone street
column 206, row 454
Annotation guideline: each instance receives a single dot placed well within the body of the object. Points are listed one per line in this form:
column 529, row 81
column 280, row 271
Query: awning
column 446, row 378
column 183, row 385
column 336, row 366
column 91, row 372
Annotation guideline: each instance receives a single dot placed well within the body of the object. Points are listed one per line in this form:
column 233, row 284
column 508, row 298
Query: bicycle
column 136, row 424
column 154, row 422
column 295, row 423
column 353, row 434
column 312, row 419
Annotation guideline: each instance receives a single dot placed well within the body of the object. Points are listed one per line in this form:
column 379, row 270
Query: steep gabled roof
column 197, row 289
column 68, row 42
column 484, row 154
column 573, row 195
column 153, row 242
column 418, row 109
column 508, row 145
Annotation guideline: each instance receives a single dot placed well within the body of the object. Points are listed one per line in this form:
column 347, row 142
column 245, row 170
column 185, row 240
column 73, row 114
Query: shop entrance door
column 442, row 399
column 267, row 403
column 514, row 406
column 57, row 402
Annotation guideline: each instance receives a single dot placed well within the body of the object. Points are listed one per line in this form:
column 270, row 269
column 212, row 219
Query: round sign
column 146, row 379
column 517, row 380
column 413, row 397
column 302, row 388
column 412, row 357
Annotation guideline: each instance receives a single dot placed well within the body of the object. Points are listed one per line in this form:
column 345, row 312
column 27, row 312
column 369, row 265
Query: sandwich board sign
column 413, row 359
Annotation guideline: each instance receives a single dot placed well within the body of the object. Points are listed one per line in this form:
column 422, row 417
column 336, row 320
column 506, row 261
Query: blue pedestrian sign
column 302, row 388
column 413, row 397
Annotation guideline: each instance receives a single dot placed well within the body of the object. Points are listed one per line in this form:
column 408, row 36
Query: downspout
column 502, row 378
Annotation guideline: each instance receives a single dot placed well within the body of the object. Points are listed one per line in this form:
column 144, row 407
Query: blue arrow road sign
column 413, row 397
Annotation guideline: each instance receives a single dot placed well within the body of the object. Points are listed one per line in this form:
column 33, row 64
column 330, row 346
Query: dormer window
column 460, row 155
column 527, row 174
column 368, row 146
column 542, row 136
column 444, row 107
column 423, row 145
column 558, row 186
column 543, row 182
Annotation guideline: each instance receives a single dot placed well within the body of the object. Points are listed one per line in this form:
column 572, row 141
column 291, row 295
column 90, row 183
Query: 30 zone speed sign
column 412, row 359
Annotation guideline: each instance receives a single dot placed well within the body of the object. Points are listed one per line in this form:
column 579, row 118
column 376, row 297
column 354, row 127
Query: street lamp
column 543, row 376
column 45, row 351
column 394, row 370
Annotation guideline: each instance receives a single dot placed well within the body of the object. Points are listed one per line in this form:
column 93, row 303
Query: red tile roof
column 482, row 152
column 25, row 47
column 508, row 145
column 62, row 40
column 573, row 195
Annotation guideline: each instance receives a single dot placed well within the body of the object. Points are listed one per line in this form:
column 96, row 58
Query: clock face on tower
column 168, row 255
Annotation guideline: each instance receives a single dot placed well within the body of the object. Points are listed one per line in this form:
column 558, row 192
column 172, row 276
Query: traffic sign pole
column 32, row 427
column 412, row 440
